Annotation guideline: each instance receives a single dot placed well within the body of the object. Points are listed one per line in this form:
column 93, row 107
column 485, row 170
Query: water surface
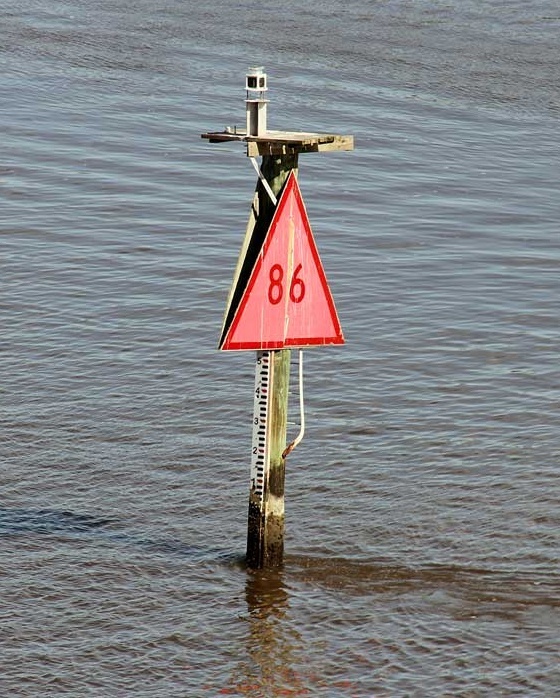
column 422, row 506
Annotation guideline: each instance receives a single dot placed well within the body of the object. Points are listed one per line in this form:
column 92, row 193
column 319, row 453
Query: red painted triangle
column 287, row 302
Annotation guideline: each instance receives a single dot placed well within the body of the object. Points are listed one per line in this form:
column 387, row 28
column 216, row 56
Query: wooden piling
column 279, row 151
column 265, row 529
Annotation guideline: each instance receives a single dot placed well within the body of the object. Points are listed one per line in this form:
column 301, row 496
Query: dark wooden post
column 265, row 530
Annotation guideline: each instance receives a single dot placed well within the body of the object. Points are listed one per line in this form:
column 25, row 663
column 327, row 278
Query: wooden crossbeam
column 284, row 142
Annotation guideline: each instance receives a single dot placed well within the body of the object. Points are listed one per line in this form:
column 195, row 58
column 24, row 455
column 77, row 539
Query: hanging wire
column 299, row 437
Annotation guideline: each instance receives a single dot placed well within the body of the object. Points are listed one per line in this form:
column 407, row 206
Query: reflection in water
column 272, row 642
column 280, row 660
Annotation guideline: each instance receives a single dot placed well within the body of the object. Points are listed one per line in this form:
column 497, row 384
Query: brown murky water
column 422, row 506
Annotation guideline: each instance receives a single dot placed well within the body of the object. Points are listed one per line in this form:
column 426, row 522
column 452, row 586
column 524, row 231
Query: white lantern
column 256, row 86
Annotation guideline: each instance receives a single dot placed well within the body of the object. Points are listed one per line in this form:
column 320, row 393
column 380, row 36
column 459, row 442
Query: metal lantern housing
column 256, row 104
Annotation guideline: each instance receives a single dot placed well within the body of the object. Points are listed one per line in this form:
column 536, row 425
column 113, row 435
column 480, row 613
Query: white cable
column 299, row 437
column 266, row 185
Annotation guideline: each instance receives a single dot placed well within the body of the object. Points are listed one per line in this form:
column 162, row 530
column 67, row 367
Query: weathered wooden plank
column 284, row 142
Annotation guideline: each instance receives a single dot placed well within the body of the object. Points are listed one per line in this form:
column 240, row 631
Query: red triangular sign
column 287, row 302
